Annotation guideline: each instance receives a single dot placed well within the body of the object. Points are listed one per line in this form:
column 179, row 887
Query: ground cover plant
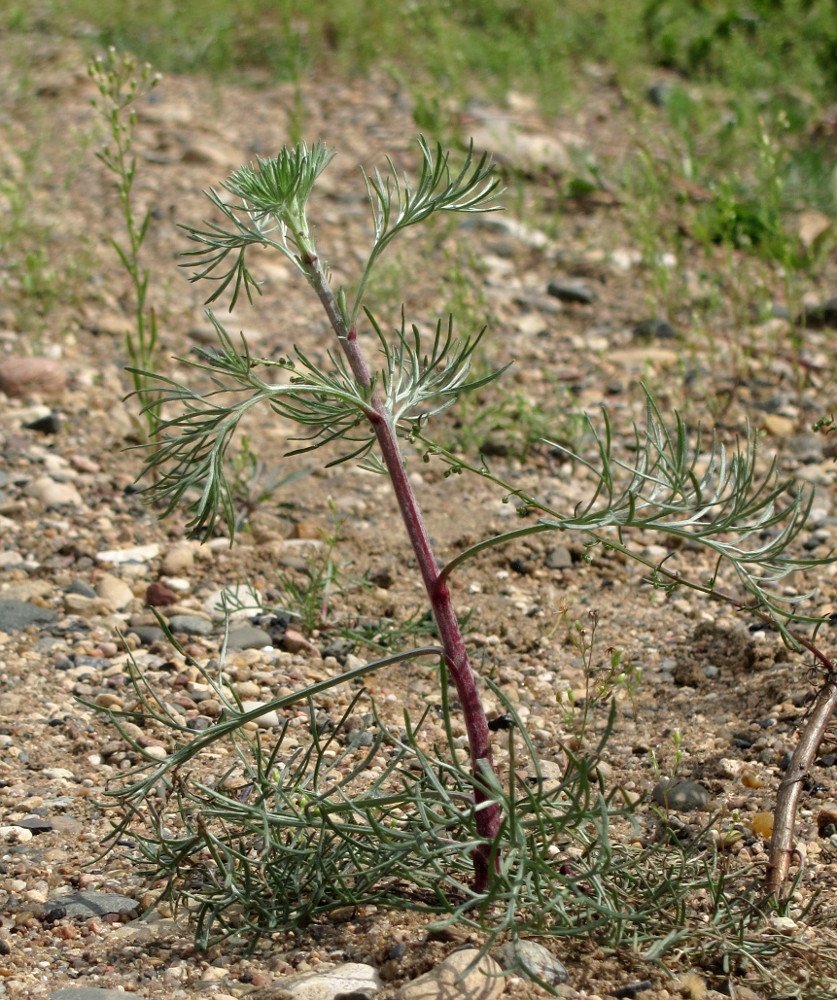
column 280, row 839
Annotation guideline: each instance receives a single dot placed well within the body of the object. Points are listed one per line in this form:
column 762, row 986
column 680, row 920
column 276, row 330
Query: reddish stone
column 24, row 377
column 160, row 596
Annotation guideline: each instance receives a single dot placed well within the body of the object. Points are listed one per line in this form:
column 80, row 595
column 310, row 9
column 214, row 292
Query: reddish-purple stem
column 456, row 655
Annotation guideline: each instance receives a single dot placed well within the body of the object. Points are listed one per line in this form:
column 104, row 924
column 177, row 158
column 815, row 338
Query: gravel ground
column 82, row 559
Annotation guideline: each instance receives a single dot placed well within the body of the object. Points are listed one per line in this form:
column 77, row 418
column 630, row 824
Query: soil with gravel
column 563, row 289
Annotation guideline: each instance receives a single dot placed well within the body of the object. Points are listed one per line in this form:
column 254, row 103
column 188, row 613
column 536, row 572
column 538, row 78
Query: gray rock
column 137, row 554
column 147, row 634
column 82, row 905
column 91, row 993
column 82, row 588
column 532, row 960
column 559, row 558
column 190, row 624
column 572, row 293
column 37, row 824
column 654, row 329
column 681, row 796
column 16, row 615
column 248, row 637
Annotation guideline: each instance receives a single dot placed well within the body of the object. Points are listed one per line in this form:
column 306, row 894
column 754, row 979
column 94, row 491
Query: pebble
column 116, row 592
column 190, row 624
column 559, row 558
column 532, row 959
column 295, row 642
column 484, row 982
column 53, row 494
column 572, row 293
column 92, row 993
column 157, row 595
column 82, row 905
column 16, row 615
column 351, row 979
column 268, row 720
column 137, row 554
column 147, row 634
column 681, row 796
column 15, row 834
column 248, row 637
column 178, row 561
column 21, row 378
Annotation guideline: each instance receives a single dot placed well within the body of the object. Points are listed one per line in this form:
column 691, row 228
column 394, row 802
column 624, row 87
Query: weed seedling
column 121, row 83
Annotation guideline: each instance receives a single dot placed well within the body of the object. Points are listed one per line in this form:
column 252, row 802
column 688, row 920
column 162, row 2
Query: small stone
column 50, row 424
column 572, row 293
column 307, row 529
column 267, row 720
column 159, row 596
column 37, row 824
column 779, row 426
column 532, row 960
column 15, row 835
column 10, row 558
column 82, row 588
column 147, row 634
column 295, row 642
column 190, row 624
column 826, row 818
column 178, row 560
column 484, row 982
column 762, row 824
column 83, row 905
column 90, row 992
column 16, row 615
column 819, row 317
column 654, row 329
column 137, row 554
column 248, row 637
column 559, row 558
column 784, row 925
column 116, row 592
column 21, row 378
column 350, row 980
column 681, row 796
column 53, row 494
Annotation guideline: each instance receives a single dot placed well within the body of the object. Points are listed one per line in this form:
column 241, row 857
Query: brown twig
column 781, row 844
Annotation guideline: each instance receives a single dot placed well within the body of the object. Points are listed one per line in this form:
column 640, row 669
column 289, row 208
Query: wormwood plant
column 265, row 204
column 121, row 83
column 264, row 839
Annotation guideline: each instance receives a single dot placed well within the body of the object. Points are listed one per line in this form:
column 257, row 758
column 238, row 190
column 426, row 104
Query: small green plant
column 121, row 83
column 602, row 680
column 279, row 836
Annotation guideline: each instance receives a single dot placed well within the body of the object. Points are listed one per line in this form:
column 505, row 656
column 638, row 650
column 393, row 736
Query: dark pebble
column 63, row 663
column 828, row 760
column 572, row 293
column 81, row 587
column 50, row 424
column 631, row 989
column 821, row 316
column 654, row 329
column 34, row 823
column 159, row 596
column 190, row 624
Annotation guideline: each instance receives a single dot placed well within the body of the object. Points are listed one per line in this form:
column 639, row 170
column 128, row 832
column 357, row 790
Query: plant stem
column 790, row 788
column 456, row 655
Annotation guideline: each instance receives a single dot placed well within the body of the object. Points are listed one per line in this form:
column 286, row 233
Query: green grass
column 536, row 44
